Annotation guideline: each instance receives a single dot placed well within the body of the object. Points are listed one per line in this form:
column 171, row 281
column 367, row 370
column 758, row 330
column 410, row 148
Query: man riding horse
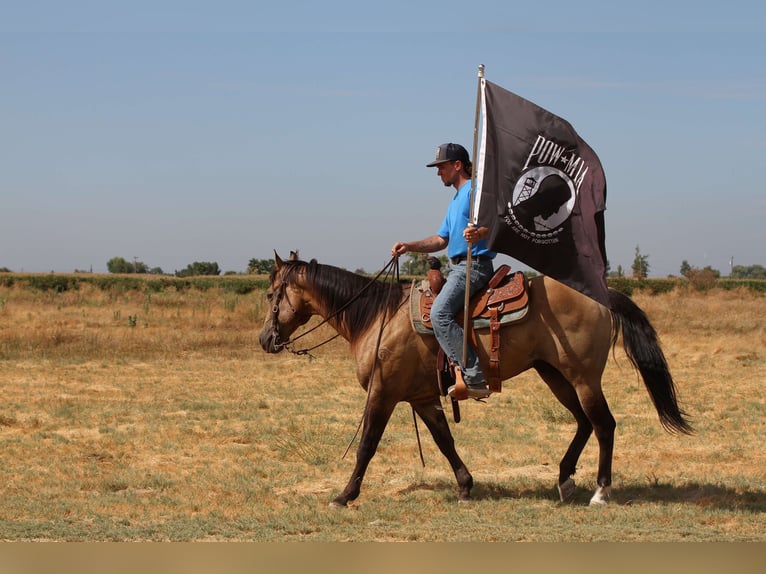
column 457, row 234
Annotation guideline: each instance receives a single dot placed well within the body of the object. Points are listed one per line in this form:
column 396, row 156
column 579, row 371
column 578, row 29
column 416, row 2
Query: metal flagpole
column 468, row 258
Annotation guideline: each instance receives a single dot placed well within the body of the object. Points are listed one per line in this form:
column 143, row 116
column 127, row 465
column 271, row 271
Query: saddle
column 505, row 300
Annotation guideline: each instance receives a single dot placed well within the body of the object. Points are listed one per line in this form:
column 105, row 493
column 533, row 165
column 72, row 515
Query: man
column 456, row 231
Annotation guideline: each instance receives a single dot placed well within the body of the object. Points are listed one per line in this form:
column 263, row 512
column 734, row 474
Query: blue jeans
column 448, row 303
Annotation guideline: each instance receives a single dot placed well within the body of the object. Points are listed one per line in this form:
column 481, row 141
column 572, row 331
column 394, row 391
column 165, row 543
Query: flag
column 541, row 191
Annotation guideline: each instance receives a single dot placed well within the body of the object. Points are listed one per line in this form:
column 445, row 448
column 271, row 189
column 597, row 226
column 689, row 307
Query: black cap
column 450, row 152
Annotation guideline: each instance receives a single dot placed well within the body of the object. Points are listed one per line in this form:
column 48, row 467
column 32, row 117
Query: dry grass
column 136, row 417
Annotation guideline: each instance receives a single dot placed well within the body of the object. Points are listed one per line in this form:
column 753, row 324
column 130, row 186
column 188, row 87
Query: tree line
column 640, row 270
column 420, row 263
column 122, row 265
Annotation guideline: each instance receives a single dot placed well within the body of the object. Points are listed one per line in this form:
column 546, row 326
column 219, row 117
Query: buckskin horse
column 566, row 337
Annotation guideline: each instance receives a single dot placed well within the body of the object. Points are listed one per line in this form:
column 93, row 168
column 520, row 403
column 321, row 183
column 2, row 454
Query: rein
column 391, row 269
column 392, row 275
column 391, row 272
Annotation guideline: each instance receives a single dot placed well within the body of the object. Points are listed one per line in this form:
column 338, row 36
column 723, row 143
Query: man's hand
column 399, row 249
column 472, row 234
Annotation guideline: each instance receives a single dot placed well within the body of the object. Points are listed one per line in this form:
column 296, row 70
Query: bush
column 703, row 279
column 56, row 283
column 622, row 284
column 753, row 285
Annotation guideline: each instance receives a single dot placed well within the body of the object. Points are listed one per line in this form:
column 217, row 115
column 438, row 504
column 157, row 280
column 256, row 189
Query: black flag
column 542, row 193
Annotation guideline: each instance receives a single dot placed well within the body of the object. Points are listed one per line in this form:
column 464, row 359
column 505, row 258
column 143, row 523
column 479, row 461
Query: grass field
column 129, row 415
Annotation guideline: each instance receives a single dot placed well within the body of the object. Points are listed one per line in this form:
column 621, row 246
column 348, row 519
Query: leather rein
column 391, row 268
column 391, row 271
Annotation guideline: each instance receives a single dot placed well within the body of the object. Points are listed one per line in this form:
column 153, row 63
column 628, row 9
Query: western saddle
column 505, row 300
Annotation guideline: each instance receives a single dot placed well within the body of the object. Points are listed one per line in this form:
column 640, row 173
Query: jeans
column 448, row 303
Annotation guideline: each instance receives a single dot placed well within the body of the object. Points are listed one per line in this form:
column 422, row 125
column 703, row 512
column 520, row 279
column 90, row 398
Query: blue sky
column 175, row 132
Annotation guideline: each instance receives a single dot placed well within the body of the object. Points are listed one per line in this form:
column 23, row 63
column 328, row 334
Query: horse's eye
column 269, row 296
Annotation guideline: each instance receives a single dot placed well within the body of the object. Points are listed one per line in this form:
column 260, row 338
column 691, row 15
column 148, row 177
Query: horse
column 566, row 337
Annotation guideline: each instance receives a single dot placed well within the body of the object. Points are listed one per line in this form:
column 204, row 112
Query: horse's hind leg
column 595, row 406
column 376, row 417
column 433, row 416
column 565, row 393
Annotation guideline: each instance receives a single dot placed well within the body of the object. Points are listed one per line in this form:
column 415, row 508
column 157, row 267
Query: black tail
column 644, row 351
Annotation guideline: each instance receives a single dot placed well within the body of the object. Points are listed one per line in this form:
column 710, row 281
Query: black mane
column 334, row 288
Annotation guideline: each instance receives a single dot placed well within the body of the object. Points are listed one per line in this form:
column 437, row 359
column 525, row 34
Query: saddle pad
column 418, row 322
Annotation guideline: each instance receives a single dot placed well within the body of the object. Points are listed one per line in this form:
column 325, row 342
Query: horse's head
column 290, row 307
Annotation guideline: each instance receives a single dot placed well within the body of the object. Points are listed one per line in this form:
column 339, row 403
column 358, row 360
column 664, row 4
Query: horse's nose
column 267, row 339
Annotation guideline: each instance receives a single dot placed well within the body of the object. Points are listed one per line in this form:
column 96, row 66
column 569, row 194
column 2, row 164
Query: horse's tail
column 644, row 352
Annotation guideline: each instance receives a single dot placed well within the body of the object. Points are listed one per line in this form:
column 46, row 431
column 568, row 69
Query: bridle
column 391, row 268
column 289, row 344
column 277, row 343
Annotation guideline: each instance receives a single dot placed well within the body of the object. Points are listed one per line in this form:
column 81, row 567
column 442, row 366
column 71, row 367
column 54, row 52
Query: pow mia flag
column 541, row 191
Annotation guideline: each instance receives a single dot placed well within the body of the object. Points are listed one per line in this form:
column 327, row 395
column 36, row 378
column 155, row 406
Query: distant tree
column 120, row 265
column 5, row 270
column 748, row 272
column 640, row 265
column 685, row 268
column 416, row 264
column 199, row 268
column 616, row 273
column 419, row 263
column 117, row 265
column 156, row 271
column 260, row 266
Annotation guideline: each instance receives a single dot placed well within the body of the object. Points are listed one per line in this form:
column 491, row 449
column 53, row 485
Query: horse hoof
column 337, row 504
column 601, row 497
column 566, row 489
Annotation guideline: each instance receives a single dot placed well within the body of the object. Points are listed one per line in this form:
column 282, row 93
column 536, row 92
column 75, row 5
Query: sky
column 175, row 132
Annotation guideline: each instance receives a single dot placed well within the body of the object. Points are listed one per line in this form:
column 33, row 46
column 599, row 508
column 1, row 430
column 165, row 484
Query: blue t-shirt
column 456, row 220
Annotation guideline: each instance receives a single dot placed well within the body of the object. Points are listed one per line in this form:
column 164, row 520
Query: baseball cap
column 449, row 152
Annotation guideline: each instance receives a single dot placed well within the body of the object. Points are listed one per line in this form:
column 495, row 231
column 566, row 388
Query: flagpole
column 468, row 258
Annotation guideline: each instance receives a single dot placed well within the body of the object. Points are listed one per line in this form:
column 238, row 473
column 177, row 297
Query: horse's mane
column 334, row 287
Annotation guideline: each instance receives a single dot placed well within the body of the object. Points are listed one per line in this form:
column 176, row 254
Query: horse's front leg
column 377, row 414
column 432, row 414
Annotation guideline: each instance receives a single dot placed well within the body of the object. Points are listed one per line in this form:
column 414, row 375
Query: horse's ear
column 294, row 255
column 278, row 260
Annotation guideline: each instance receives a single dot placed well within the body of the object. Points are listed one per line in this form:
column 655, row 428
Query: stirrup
column 461, row 391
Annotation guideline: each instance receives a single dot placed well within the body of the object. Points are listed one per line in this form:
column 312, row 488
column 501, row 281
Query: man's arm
column 427, row 245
